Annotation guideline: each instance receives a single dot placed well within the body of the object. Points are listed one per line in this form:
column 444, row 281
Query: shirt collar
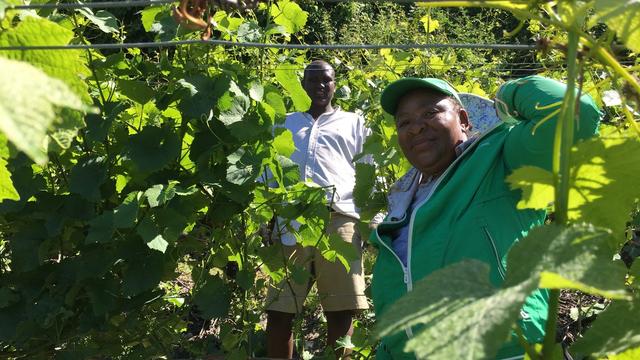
column 464, row 145
column 328, row 113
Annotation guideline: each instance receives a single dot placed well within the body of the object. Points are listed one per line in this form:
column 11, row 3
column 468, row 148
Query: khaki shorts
column 338, row 289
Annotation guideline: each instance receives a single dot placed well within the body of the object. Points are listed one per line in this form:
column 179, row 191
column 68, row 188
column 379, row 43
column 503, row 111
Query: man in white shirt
column 327, row 139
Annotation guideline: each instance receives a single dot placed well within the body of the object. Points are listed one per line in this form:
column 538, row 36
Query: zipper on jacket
column 405, row 271
column 501, row 270
column 406, row 275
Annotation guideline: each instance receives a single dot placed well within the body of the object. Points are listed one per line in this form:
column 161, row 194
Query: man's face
column 430, row 125
column 319, row 83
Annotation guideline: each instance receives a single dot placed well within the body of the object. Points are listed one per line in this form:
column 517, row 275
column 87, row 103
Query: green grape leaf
column 635, row 272
column 631, row 354
column 125, row 214
column 233, row 105
column 345, row 342
column 289, row 15
column 150, row 233
column 285, row 172
column 87, row 176
column 69, row 66
column 28, row 102
column 102, row 295
column 273, row 98
column 273, row 262
column 287, row 77
column 536, row 185
column 249, row 31
column 603, row 187
column 213, row 298
column 3, row 7
column 24, row 247
column 338, row 249
column 101, row 228
column 430, row 24
column 143, row 271
column 246, row 278
column 7, row 297
column 136, row 90
column 299, row 274
column 574, row 257
column 172, row 222
column 158, row 20
column 244, row 167
column 153, row 148
column 256, row 91
column 365, row 182
column 623, row 16
column 198, row 95
column 66, row 129
column 95, row 262
column 103, row 19
column 267, row 113
column 308, row 235
column 148, row 16
column 615, row 330
column 457, row 302
column 7, row 191
column 160, row 194
column 283, row 142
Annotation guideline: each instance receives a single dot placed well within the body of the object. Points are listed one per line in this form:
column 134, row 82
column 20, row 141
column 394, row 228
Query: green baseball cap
column 397, row 89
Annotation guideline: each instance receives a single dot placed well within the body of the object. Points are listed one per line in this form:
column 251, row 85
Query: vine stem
column 564, row 135
column 561, row 175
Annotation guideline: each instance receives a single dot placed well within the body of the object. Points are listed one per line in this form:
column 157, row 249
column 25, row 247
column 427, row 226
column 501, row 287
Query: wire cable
column 92, row 5
column 141, row 3
column 160, row 44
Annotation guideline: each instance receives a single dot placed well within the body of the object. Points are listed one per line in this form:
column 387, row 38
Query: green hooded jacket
column 472, row 212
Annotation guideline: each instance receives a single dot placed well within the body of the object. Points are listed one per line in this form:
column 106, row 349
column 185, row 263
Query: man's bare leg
column 339, row 324
column 279, row 335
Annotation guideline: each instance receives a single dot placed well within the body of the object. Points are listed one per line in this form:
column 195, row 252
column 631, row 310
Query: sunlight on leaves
column 29, row 99
column 289, row 15
column 283, row 142
column 575, row 257
column 288, row 78
column 603, row 182
column 430, row 24
column 623, row 16
column 7, row 191
column 617, row 329
column 103, row 19
column 454, row 304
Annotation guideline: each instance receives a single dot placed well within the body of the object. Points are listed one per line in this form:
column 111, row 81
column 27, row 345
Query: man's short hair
column 318, row 64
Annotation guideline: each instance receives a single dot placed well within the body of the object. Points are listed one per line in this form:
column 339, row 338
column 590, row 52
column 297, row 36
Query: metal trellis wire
column 142, row 3
column 160, row 44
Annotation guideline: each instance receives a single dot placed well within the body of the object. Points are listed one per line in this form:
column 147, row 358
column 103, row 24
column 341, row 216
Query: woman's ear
column 465, row 124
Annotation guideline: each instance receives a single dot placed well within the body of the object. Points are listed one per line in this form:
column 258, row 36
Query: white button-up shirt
column 325, row 149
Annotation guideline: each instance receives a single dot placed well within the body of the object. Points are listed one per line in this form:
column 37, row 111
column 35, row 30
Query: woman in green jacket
column 455, row 204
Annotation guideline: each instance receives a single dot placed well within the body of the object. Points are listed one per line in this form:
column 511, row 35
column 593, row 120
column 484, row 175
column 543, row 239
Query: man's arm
column 527, row 100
